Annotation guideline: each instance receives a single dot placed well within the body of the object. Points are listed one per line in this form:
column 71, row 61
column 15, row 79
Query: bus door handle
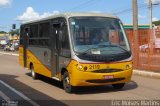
column 45, row 54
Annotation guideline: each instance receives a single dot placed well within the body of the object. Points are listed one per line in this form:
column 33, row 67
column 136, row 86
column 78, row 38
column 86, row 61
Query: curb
column 12, row 54
column 146, row 74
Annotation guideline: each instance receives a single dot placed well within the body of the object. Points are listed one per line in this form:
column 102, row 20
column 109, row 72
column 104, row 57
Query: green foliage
column 156, row 23
column 3, row 32
column 14, row 32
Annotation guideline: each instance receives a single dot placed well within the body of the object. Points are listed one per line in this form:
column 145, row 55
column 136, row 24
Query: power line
column 81, row 5
column 94, row 3
column 140, row 7
column 86, row 4
column 130, row 9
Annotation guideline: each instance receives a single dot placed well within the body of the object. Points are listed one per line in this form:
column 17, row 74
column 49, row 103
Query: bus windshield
column 98, row 35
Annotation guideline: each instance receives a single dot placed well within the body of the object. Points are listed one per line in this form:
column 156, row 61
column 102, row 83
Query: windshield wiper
column 110, row 44
column 85, row 52
column 115, row 45
column 104, row 46
column 98, row 46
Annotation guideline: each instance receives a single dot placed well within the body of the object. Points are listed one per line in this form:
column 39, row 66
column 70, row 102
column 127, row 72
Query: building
column 8, row 38
column 4, row 38
column 140, row 27
column 14, row 38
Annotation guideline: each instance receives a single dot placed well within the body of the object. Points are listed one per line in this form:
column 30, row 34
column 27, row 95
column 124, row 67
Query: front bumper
column 89, row 78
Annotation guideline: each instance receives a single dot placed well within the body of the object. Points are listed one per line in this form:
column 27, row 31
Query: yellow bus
column 78, row 49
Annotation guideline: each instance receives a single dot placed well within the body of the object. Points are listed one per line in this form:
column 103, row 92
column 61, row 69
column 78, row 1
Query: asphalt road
column 48, row 92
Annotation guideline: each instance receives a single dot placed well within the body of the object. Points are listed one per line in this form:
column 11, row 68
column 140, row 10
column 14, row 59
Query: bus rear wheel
column 33, row 73
column 118, row 86
column 66, row 83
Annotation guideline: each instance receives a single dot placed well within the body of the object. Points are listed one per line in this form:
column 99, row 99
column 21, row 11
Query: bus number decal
column 93, row 67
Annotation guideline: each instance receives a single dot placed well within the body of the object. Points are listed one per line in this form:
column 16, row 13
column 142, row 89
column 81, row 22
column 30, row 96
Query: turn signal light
column 129, row 66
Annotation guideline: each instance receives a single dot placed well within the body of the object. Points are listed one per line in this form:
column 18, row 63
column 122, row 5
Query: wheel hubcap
column 33, row 74
column 67, row 83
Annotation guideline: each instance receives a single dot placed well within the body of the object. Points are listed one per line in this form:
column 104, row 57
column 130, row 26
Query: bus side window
column 33, row 35
column 65, row 38
column 44, row 31
column 56, row 27
column 65, row 45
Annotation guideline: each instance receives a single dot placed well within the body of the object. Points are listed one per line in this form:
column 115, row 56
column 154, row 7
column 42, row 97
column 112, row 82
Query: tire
column 118, row 86
column 33, row 73
column 66, row 83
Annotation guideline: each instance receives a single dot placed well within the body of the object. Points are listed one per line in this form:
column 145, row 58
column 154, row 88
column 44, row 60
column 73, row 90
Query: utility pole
column 135, row 15
column 150, row 13
column 151, row 35
column 135, row 44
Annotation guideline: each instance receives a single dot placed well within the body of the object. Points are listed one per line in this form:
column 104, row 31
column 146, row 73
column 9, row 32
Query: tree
column 14, row 32
column 3, row 32
column 157, row 23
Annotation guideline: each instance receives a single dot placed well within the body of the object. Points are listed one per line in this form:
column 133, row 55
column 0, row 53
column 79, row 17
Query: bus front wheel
column 66, row 83
column 118, row 86
column 33, row 73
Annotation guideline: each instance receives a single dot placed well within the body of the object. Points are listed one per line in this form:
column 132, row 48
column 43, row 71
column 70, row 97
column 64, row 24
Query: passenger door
column 55, row 26
column 60, row 44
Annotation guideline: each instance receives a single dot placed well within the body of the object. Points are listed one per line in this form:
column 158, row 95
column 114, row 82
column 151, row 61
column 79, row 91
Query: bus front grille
column 107, row 71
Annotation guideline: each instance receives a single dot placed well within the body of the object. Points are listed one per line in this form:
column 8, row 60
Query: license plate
column 108, row 77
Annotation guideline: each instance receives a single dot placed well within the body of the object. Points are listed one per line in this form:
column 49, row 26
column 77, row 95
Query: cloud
column 141, row 16
column 31, row 14
column 46, row 14
column 5, row 2
column 153, row 1
column 155, row 19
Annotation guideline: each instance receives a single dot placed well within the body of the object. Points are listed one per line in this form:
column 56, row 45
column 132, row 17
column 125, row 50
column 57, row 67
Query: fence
column 145, row 49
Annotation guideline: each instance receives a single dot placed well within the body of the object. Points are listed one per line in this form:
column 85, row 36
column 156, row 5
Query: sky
column 18, row 11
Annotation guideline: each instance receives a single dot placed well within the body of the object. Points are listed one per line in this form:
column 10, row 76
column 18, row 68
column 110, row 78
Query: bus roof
column 68, row 15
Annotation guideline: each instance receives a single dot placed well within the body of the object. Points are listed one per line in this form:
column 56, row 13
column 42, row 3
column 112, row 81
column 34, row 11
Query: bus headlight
column 80, row 68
